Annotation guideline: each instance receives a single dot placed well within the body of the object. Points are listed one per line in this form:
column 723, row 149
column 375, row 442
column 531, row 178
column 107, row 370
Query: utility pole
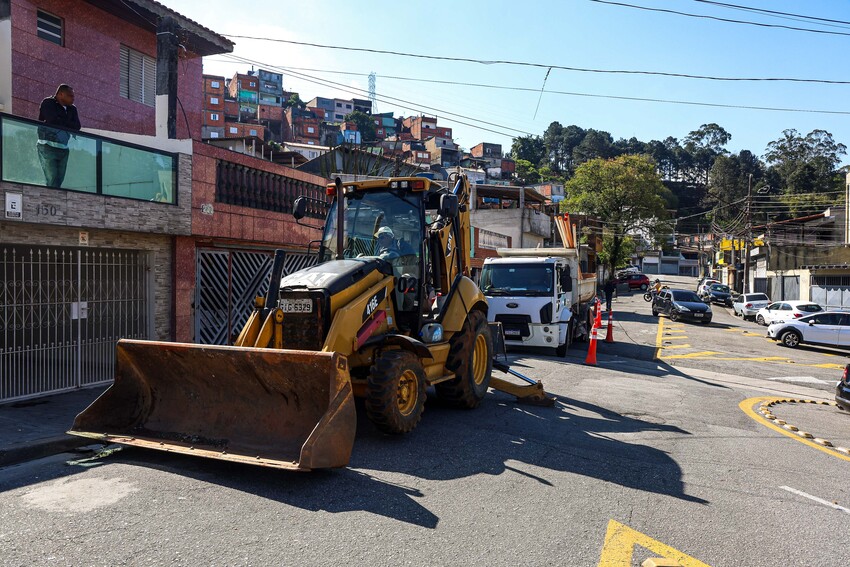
column 749, row 235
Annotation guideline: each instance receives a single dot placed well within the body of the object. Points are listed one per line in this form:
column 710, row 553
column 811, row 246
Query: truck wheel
column 395, row 392
column 471, row 359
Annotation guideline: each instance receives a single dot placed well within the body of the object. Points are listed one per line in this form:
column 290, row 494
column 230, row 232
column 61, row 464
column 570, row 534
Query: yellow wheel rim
column 479, row 359
column 408, row 392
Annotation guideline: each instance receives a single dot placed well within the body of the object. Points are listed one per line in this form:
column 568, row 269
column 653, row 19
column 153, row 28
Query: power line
column 772, row 12
column 578, row 94
column 383, row 98
column 539, row 65
column 727, row 20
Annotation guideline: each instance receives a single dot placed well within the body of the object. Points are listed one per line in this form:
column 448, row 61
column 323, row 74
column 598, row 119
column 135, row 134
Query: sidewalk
column 31, row 429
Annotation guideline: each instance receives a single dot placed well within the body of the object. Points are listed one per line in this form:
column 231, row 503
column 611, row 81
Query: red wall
column 230, row 225
column 90, row 62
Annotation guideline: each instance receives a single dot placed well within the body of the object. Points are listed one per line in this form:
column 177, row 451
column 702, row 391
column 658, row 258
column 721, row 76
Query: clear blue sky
column 575, row 33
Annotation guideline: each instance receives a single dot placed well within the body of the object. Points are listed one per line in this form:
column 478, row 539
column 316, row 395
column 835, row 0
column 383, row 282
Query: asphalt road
column 656, row 453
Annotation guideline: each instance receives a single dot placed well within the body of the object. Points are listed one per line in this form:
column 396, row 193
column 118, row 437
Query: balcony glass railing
column 35, row 154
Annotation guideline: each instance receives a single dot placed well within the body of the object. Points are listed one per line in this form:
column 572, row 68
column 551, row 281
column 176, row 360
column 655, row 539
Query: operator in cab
column 386, row 247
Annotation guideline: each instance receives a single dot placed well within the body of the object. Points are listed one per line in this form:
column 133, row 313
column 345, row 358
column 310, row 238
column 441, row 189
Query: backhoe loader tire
column 395, row 392
column 471, row 359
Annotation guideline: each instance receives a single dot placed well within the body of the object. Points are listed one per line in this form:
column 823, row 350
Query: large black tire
column 395, row 392
column 471, row 359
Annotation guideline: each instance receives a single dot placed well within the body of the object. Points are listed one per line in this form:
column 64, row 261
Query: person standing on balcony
column 57, row 110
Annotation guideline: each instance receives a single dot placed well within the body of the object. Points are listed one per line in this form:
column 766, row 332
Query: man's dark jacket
column 54, row 114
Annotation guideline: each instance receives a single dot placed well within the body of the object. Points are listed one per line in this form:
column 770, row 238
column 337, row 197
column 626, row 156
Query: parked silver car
column 748, row 304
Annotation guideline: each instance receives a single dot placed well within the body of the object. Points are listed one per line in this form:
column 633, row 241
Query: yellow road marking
column 672, row 337
column 620, row 541
column 747, row 407
column 658, row 337
column 702, row 354
column 831, row 365
column 676, row 346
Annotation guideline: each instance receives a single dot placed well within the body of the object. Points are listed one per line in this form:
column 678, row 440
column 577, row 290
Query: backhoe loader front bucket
column 289, row 409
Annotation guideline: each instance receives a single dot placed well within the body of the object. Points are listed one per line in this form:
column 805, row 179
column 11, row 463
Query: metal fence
column 63, row 310
column 227, row 283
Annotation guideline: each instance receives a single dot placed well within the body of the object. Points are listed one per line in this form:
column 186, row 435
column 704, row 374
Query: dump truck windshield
column 518, row 279
column 377, row 223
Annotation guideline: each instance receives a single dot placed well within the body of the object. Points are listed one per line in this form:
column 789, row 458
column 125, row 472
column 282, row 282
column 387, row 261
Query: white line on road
column 815, row 498
column 801, row 379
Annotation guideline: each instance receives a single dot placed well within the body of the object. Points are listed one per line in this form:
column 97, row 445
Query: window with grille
column 138, row 76
column 50, row 28
column 213, row 116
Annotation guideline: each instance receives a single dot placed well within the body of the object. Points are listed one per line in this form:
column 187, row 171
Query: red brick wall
column 90, row 62
column 270, row 112
column 243, row 129
column 230, row 225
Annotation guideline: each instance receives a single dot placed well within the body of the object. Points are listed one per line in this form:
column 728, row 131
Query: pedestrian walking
column 610, row 288
column 57, row 110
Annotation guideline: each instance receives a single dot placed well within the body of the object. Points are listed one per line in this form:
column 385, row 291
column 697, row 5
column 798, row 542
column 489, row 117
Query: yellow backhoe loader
column 387, row 311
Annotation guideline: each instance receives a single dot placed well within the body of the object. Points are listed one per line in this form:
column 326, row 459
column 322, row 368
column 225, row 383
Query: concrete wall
column 507, row 222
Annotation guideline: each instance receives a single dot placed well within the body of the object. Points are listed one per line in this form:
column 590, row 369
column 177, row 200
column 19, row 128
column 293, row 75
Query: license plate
column 698, row 315
column 296, row 305
column 513, row 332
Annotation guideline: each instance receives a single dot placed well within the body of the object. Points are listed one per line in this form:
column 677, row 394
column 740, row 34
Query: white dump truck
column 539, row 295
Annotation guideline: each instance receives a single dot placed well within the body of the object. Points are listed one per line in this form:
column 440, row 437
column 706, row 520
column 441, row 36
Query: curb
column 767, row 413
column 41, row 448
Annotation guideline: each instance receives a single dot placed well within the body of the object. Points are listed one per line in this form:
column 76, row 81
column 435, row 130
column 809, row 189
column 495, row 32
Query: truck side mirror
column 299, row 208
column 448, row 206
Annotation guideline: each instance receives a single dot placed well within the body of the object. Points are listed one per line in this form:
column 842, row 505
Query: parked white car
column 749, row 304
column 786, row 311
column 704, row 285
column 827, row 328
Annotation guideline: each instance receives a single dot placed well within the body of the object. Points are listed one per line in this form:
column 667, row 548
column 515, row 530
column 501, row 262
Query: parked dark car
column 842, row 390
column 635, row 281
column 718, row 293
column 681, row 304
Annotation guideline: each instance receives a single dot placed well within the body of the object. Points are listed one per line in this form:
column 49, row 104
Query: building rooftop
column 146, row 14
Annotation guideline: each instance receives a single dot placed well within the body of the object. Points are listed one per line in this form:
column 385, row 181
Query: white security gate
column 831, row 292
column 63, row 310
column 227, row 283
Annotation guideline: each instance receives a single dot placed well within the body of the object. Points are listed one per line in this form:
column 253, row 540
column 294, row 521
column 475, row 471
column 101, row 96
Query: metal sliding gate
column 227, row 283
column 63, row 310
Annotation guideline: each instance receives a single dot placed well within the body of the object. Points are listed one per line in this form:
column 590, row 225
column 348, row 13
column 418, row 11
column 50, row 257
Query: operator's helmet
column 385, row 230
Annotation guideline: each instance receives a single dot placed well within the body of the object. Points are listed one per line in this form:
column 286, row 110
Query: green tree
column 365, row 125
column 611, row 257
column 625, row 193
column 729, row 180
column 805, row 164
column 529, row 148
column 295, row 101
column 526, row 173
column 703, row 145
column 560, row 142
column 595, row 144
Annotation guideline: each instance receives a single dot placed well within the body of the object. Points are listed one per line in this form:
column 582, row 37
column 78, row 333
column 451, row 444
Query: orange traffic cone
column 609, row 338
column 591, row 349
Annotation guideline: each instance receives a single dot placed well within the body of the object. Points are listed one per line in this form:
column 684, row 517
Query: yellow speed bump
column 748, row 405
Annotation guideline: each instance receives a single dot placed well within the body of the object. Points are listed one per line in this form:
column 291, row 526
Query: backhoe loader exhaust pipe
column 280, row 408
